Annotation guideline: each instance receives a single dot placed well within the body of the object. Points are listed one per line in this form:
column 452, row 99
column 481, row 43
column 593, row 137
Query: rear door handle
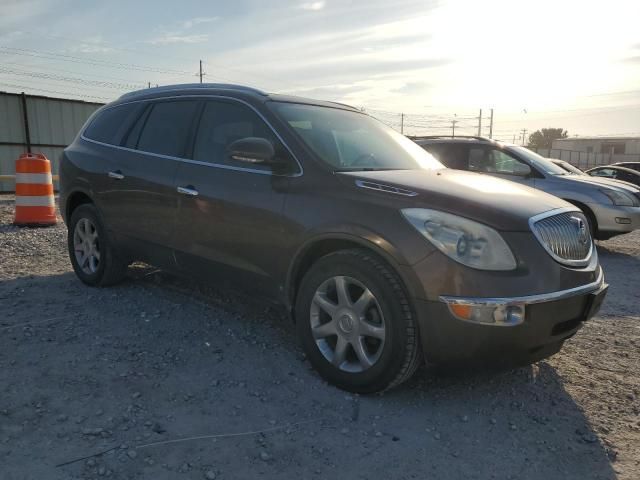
column 117, row 175
column 188, row 191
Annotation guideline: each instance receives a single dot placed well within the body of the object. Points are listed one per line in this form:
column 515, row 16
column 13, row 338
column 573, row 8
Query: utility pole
column 480, row 123
column 201, row 74
column 491, row 125
column 524, row 135
column 453, row 128
column 402, row 123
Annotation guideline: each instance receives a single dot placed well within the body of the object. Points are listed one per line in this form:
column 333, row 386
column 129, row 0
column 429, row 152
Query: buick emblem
column 581, row 230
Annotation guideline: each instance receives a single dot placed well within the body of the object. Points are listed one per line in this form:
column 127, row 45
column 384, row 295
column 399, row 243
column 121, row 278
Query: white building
column 586, row 152
column 604, row 145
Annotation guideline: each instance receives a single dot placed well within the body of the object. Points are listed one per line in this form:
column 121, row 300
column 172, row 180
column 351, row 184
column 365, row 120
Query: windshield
column 347, row 140
column 539, row 161
column 570, row 168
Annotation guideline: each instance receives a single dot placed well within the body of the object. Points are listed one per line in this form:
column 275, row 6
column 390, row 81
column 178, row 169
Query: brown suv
column 382, row 255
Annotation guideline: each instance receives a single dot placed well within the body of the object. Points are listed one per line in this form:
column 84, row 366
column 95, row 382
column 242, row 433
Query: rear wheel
column 93, row 257
column 355, row 322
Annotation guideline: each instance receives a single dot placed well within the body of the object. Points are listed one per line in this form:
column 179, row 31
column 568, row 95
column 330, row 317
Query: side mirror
column 252, row 150
column 522, row 169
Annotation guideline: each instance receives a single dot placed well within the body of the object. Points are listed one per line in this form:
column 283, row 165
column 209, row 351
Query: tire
column 105, row 269
column 392, row 355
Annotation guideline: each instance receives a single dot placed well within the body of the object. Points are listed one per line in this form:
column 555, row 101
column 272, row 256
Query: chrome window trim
column 527, row 300
column 199, row 162
column 551, row 213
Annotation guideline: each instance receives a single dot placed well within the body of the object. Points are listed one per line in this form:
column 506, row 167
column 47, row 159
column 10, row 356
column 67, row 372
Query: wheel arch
column 74, row 200
column 587, row 211
column 324, row 244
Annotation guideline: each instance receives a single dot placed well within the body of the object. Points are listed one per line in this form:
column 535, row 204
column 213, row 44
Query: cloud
column 93, row 44
column 411, row 88
column 197, row 21
column 21, row 12
column 313, row 6
column 171, row 38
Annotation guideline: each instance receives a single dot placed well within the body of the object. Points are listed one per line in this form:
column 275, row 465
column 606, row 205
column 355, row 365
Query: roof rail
column 428, row 137
column 188, row 86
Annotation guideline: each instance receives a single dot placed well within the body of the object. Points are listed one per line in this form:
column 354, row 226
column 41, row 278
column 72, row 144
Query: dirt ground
column 139, row 369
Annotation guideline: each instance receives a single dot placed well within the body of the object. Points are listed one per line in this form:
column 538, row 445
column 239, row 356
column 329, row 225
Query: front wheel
column 355, row 322
column 93, row 257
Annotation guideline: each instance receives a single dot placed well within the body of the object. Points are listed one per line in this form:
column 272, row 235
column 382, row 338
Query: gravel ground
column 159, row 359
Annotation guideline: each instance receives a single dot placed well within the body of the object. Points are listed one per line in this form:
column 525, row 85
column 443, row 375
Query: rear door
column 230, row 222
column 145, row 196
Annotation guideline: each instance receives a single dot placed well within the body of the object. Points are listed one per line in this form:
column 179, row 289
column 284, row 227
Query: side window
column 111, row 123
column 450, row 154
column 605, row 172
column 221, row 124
column 491, row 160
column 130, row 140
column 167, row 127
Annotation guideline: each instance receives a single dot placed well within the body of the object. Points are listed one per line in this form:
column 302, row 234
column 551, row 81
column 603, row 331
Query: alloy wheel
column 347, row 324
column 86, row 246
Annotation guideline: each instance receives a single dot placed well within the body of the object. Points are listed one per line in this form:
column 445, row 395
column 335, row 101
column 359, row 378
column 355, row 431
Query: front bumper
column 548, row 320
column 612, row 218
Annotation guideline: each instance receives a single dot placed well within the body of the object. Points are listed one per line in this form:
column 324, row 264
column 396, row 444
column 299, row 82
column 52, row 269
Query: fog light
column 623, row 220
column 499, row 315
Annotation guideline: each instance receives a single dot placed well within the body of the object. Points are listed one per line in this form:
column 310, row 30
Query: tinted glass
column 130, row 140
column 111, row 123
column 450, row 154
column 632, row 165
column 604, row 172
column 221, row 124
column 492, row 160
column 167, row 128
column 537, row 161
column 347, row 140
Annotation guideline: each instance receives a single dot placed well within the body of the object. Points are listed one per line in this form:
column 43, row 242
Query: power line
column 55, row 92
column 71, row 58
column 73, row 72
column 61, row 78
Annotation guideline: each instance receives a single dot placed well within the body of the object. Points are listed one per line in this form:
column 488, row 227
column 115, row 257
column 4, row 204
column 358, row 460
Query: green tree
column 545, row 137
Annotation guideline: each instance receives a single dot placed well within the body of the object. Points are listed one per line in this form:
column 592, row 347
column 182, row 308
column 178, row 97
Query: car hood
column 598, row 181
column 502, row 204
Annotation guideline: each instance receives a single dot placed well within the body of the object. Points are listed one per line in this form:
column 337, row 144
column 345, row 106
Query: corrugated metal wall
column 53, row 124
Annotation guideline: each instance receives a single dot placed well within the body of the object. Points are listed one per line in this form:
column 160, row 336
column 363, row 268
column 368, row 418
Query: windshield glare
column 347, row 140
column 539, row 161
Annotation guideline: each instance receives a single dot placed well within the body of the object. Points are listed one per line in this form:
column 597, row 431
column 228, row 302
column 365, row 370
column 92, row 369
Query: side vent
column 385, row 188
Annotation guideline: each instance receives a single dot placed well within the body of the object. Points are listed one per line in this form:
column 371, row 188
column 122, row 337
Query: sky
column 573, row 64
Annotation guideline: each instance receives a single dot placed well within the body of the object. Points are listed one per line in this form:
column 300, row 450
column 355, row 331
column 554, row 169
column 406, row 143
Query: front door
column 230, row 223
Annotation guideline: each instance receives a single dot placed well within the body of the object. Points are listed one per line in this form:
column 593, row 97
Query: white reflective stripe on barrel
column 35, row 201
column 44, row 178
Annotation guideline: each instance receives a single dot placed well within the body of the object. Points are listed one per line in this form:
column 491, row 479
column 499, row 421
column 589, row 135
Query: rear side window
column 111, row 123
column 221, row 124
column 167, row 127
column 451, row 154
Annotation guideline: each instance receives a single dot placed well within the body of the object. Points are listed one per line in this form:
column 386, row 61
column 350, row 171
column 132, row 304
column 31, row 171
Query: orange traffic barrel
column 34, row 191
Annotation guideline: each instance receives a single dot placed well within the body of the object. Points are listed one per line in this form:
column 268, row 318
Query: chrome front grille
column 565, row 236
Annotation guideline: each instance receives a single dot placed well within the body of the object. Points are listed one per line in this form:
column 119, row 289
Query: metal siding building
column 52, row 124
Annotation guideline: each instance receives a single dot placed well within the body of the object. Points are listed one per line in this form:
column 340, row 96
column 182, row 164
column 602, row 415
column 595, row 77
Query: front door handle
column 117, row 175
column 188, row 191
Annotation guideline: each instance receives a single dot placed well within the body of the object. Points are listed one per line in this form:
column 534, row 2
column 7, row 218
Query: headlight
column 465, row 241
column 620, row 198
